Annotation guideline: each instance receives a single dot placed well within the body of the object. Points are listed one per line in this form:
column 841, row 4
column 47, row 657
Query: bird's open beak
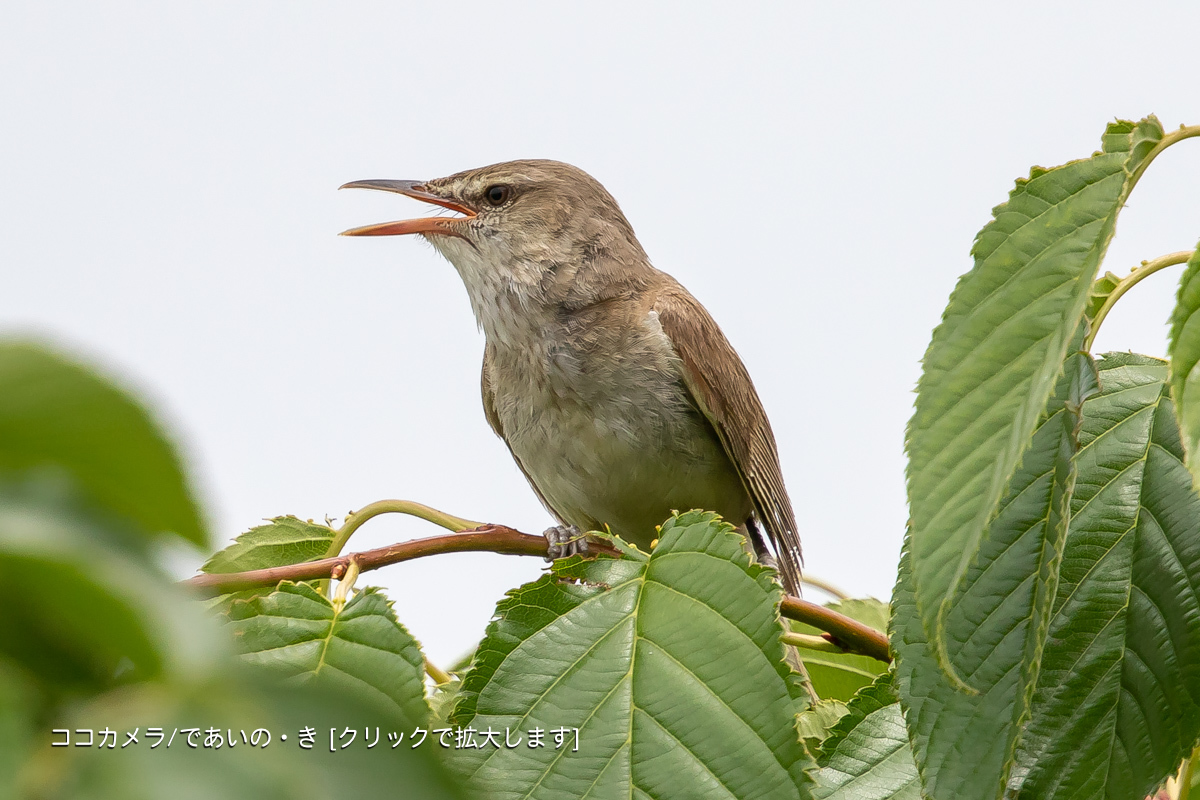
column 444, row 225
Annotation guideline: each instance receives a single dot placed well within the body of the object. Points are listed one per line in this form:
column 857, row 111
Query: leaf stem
column 1184, row 780
column 810, row 642
column 345, row 585
column 1177, row 135
column 824, row 586
column 439, row 675
column 355, row 519
column 1135, row 276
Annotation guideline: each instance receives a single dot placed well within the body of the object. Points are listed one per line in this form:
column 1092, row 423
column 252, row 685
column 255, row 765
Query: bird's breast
column 604, row 427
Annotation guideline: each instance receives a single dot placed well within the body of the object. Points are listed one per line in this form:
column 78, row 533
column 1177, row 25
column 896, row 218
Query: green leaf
column 1118, row 700
column 285, row 540
column 965, row 742
column 81, row 613
column 816, row 722
column 991, row 365
column 360, row 646
column 867, row 756
column 526, row 610
column 56, row 414
column 672, row 670
column 838, row 676
column 1185, row 360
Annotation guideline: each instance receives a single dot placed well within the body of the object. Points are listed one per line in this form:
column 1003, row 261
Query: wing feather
column 721, row 387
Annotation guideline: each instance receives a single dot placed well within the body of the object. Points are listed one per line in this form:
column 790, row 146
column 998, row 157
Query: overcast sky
column 814, row 173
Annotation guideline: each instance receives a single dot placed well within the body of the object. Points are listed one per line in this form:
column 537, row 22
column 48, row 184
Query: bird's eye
column 496, row 195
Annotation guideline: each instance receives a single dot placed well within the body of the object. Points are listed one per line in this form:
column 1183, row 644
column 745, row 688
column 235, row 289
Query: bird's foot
column 564, row 541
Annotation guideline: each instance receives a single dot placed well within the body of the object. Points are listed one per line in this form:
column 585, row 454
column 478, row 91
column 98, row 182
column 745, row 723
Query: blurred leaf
column 838, row 676
column 866, row 756
column 222, row 603
column 58, row 414
column 232, row 705
column 19, row 701
column 360, row 647
column 285, row 540
column 965, row 742
column 991, row 365
column 1185, row 361
column 672, row 670
column 443, row 701
column 1118, row 699
column 81, row 615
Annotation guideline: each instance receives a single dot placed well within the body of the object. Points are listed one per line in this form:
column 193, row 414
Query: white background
column 814, row 173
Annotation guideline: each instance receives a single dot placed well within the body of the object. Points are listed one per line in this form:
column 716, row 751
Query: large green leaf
column 360, row 645
column 58, row 415
column 965, row 741
column 1118, row 699
column 1185, row 360
column 526, row 610
column 671, row 669
column 867, row 755
column 991, row 365
column 837, row 676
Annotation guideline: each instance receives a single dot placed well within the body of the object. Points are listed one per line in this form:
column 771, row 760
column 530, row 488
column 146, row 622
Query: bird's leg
column 762, row 550
column 564, row 541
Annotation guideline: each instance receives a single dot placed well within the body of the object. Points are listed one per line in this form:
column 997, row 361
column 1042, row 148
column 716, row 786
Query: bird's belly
column 626, row 463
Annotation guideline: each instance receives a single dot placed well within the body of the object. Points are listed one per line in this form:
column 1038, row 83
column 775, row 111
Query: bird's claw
column 563, row 541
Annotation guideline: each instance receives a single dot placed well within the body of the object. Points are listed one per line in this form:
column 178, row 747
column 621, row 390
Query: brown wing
column 489, row 411
column 722, row 389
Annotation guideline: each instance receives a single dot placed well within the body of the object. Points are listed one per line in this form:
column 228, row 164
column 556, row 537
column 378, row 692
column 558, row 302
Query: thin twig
column 486, row 538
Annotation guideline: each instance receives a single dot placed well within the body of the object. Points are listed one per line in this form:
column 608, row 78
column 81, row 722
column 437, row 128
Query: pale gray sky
column 814, row 173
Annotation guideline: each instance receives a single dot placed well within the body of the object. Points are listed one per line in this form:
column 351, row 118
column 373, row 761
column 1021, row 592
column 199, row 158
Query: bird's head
column 530, row 234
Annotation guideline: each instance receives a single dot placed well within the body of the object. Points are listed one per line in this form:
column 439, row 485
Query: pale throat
column 504, row 290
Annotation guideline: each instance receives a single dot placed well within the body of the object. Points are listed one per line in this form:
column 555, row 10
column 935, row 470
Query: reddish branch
column 848, row 634
column 843, row 631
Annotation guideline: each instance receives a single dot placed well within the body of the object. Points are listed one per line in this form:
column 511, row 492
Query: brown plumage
column 616, row 392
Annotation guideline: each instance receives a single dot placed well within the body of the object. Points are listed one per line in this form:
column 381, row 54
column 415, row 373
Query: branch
column 485, row 538
column 848, row 634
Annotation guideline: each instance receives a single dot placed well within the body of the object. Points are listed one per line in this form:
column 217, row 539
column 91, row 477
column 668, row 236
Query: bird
column 616, row 392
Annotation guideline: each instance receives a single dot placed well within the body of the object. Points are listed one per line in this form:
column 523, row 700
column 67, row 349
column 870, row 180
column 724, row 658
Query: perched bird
column 614, row 389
